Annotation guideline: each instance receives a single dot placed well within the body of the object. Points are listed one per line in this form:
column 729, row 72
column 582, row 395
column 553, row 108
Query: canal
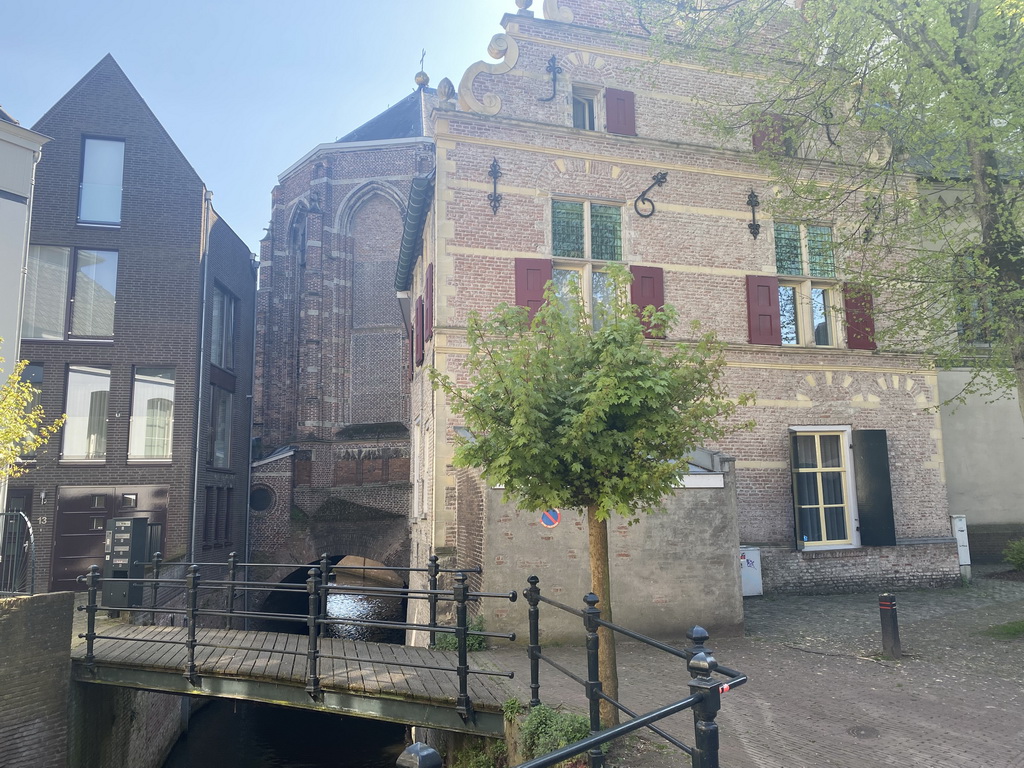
column 242, row 734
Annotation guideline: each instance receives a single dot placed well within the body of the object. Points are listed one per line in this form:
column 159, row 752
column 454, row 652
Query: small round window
column 261, row 499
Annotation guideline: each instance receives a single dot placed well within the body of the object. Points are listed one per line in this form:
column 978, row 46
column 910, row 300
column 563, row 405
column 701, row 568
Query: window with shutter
column 418, row 331
column 620, row 109
column 860, row 320
column 874, row 488
column 648, row 289
column 825, row 504
column 763, row 310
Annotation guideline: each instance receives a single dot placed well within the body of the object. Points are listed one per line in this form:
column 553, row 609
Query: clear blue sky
column 244, row 87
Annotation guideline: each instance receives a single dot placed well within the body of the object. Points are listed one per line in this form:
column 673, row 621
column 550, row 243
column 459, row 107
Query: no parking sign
column 549, row 518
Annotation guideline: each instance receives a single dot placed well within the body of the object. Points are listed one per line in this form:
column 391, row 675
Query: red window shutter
column 860, row 318
column 769, row 132
column 620, row 112
column 763, row 310
column 531, row 277
column 428, row 299
column 418, row 331
column 648, row 288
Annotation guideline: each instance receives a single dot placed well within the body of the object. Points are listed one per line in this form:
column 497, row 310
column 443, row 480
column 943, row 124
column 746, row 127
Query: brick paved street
column 818, row 695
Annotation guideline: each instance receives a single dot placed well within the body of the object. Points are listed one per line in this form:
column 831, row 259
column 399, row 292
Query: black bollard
column 890, row 626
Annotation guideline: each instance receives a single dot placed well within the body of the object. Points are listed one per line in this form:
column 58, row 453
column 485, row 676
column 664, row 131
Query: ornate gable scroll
column 502, row 47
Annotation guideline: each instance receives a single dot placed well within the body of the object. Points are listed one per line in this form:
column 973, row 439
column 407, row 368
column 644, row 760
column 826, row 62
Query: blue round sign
column 549, row 518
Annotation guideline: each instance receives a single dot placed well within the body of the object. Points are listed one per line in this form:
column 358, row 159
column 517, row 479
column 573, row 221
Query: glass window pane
column 152, row 414
column 788, row 315
column 835, row 524
column 583, row 112
column 601, row 297
column 606, row 232
column 566, row 229
column 832, row 488
column 821, row 311
column 220, row 429
column 810, row 524
column 102, row 175
column 806, row 488
column 566, row 285
column 787, row 250
column 46, row 292
column 805, row 448
column 85, row 430
column 95, row 288
column 820, row 252
column 831, row 451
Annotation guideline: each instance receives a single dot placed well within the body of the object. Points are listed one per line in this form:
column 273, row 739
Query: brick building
column 332, row 368
column 138, row 325
column 841, row 482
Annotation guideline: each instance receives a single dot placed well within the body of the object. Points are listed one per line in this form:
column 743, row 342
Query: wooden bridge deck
column 374, row 680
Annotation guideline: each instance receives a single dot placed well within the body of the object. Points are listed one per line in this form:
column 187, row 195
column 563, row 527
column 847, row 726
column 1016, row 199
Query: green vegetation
column 1011, row 630
column 445, row 641
column 512, row 709
column 1014, row 554
column 546, row 729
column 22, row 430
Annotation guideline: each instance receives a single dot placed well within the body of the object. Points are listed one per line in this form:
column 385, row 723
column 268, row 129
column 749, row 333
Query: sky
column 244, row 87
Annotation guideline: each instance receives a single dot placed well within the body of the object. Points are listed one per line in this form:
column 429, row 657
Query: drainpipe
column 254, row 264
column 201, row 367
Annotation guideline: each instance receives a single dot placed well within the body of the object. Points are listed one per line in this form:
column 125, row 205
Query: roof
column 5, row 116
column 400, row 121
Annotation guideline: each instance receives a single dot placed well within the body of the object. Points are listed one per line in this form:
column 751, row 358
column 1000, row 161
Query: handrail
column 705, row 690
column 315, row 618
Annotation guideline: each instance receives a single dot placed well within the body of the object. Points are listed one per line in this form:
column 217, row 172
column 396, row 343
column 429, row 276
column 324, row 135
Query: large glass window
column 89, row 304
column 85, row 429
column 222, row 342
column 821, row 479
column 99, row 199
column 220, row 429
column 152, row 413
column 805, row 262
column 583, row 230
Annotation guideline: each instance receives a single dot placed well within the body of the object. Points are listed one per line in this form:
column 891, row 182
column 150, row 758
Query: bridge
column 399, row 683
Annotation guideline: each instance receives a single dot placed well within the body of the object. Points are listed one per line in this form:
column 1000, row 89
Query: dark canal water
column 228, row 734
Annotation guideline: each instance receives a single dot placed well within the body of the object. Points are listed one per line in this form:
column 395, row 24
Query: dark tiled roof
column 403, row 120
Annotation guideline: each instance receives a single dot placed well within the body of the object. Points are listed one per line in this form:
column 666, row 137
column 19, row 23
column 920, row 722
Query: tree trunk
column 601, row 585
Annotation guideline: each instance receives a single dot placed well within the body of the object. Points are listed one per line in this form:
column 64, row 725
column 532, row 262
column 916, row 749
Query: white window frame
column 94, row 169
column 849, row 488
column 591, row 95
column 146, row 390
column 803, row 287
column 585, row 266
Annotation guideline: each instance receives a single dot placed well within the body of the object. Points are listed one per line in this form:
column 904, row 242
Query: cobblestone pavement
column 820, row 695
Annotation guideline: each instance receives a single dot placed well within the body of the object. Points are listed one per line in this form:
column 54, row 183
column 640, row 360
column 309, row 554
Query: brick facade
column 699, row 238
column 172, row 250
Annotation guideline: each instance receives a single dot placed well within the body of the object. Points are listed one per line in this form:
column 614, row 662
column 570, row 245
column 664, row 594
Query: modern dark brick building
column 138, row 325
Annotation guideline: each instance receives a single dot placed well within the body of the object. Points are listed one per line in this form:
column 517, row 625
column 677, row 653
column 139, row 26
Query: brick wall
column 35, row 635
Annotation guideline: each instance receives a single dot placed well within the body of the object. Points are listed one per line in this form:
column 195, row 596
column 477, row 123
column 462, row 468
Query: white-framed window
column 69, row 293
column 808, row 290
column 85, row 428
column 585, row 99
column 585, row 235
column 152, row 423
column 222, row 341
column 824, row 489
column 99, row 196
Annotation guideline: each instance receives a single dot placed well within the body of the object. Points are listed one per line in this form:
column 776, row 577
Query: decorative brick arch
column 358, row 197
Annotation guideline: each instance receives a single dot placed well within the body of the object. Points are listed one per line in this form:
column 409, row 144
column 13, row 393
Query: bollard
column 891, row 646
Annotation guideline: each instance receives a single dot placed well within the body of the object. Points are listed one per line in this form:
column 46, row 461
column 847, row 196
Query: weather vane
column 422, row 58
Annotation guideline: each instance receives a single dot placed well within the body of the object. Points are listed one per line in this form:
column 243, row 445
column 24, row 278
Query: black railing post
column 232, row 572
column 192, row 611
column 590, row 616
column 432, row 570
column 705, row 729
column 91, row 580
column 312, row 617
column 460, row 593
column 158, row 558
column 698, row 637
column 532, row 595
column 325, row 586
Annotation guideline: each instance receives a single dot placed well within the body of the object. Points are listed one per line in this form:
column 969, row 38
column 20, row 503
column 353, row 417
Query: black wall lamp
column 753, row 202
column 659, row 178
column 494, row 198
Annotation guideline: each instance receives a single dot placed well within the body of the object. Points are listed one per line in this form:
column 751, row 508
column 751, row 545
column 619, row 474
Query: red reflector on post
column 724, row 689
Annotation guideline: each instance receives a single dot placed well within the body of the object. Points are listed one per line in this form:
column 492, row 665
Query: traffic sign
column 549, row 518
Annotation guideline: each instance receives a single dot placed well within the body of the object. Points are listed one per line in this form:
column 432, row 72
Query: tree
column 901, row 121
column 22, row 430
column 574, row 410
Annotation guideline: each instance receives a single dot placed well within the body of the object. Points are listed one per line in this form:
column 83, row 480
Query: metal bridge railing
column 705, row 697
column 315, row 619
column 17, row 554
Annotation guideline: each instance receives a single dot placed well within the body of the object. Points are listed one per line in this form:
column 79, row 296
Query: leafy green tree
column 574, row 410
column 900, row 121
column 22, row 430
